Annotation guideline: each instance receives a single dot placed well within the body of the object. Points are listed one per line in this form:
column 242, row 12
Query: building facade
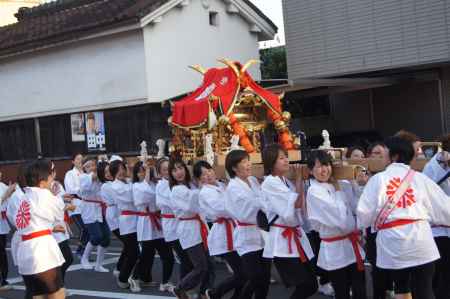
column 386, row 62
column 120, row 58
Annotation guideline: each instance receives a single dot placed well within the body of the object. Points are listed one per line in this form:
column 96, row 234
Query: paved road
column 88, row 284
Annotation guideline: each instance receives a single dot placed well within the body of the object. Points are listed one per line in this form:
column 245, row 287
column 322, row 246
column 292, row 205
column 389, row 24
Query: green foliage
column 274, row 65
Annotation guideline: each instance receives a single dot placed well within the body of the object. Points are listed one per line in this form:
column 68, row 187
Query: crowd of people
column 317, row 233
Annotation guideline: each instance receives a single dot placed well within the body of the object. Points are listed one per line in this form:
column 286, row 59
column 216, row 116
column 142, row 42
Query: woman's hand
column 59, row 229
column 362, row 177
column 70, row 207
column 335, row 183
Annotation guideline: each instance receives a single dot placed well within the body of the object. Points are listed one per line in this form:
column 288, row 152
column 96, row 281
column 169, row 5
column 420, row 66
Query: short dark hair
column 352, row 149
column 322, row 156
column 197, row 170
column 173, row 163
column 233, row 159
column 270, row 155
column 38, row 171
column 75, row 155
column 374, row 145
column 21, row 175
column 101, row 166
column 408, row 136
column 137, row 167
column 114, row 167
column 401, row 149
column 445, row 140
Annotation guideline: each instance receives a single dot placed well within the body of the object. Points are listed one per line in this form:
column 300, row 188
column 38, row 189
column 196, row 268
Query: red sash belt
column 245, row 224
column 67, row 218
column 168, row 216
column 229, row 225
column 354, row 239
column 292, row 233
column 203, row 228
column 153, row 216
column 4, row 215
column 396, row 223
column 130, row 213
column 101, row 203
column 36, row 234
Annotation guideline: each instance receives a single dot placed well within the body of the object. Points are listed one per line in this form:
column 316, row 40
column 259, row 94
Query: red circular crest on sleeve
column 23, row 216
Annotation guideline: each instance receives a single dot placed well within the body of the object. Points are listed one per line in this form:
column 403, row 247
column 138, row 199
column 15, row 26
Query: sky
column 272, row 9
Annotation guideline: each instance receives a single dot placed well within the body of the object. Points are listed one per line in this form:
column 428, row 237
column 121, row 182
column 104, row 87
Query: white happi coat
column 13, row 206
column 212, row 200
column 122, row 194
column 280, row 200
column 169, row 225
column 434, row 171
column 243, row 203
column 38, row 210
column 330, row 214
column 4, row 226
column 112, row 212
column 72, row 186
column 59, row 236
column 408, row 245
column 145, row 201
column 185, row 204
column 91, row 212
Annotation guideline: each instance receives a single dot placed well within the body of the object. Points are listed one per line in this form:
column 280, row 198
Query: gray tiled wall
column 336, row 37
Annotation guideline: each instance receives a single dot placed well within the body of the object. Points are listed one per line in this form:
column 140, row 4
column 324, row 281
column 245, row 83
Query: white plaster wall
column 184, row 37
column 94, row 73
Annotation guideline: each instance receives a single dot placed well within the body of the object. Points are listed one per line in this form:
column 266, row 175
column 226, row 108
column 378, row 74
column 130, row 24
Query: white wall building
column 82, row 55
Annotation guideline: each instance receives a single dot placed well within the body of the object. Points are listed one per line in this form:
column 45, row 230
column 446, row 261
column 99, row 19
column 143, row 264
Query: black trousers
column 314, row 240
column 121, row 257
column 234, row 282
column 84, row 235
column 441, row 280
column 67, row 254
column 199, row 273
column 348, row 277
column 130, row 256
column 300, row 275
column 381, row 278
column 416, row 280
column 3, row 259
column 145, row 264
column 257, row 272
column 185, row 262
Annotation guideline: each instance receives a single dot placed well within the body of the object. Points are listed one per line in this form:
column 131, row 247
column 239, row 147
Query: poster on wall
column 77, row 125
column 95, row 131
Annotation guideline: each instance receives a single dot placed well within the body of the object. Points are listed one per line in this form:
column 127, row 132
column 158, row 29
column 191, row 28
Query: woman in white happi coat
column 168, row 220
column 400, row 203
column 112, row 212
column 212, row 198
column 38, row 256
column 437, row 169
column 61, row 229
column 92, row 213
column 287, row 244
column 191, row 229
column 330, row 214
column 72, row 187
column 244, row 201
column 122, row 195
column 149, row 229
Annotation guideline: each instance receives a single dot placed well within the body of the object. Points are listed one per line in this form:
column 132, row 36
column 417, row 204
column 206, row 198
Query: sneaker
column 122, row 285
column 5, row 286
column 166, row 287
column 179, row 293
column 326, row 289
column 101, row 269
column 116, row 273
column 86, row 265
column 134, row 285
column 148, row 283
